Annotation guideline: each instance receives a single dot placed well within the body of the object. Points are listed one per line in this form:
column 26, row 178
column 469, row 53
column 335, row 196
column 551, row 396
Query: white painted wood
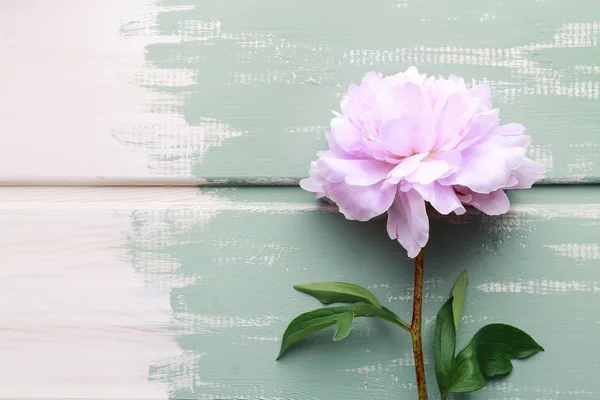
column 76, row 322
column 67, row 80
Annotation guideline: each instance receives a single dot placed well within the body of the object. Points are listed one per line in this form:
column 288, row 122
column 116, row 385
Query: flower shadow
column 455, row 243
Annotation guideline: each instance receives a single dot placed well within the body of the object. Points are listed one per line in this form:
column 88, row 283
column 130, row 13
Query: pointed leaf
column 309, row 323
column 338, row 292
column 458, row 293
column 342, row 316
column 370, row 310
column 488, row 354
column 444, row 344
column 466, row 375
column 344, row 325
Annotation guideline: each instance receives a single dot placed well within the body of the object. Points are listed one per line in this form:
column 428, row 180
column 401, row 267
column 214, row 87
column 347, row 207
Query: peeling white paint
column 390, row 366
column 577, row 251
column 541, row 287
column 542, row 154
column 263, row 338
column 189, row 322
column 546, row 81
column 164, row 77
column 173, row 146
column 508, row 387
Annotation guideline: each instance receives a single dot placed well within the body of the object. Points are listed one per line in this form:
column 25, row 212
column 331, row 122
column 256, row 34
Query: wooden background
column 152, row 229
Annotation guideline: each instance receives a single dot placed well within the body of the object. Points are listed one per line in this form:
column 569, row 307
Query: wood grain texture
column 188, row 90
column 77, row 322
column 154, row 293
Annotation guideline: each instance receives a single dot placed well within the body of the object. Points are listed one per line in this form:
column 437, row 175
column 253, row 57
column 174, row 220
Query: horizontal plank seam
column 213, row 182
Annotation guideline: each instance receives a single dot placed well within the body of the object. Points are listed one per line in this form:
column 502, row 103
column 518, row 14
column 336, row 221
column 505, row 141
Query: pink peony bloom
column 405, row 139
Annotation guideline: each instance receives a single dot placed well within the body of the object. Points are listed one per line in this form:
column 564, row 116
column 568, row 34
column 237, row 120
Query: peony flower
column 407, row 139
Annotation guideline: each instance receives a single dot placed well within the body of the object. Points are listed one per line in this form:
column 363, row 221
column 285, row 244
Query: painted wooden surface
column 179, row 91
column 162, row 292
column 149, row 293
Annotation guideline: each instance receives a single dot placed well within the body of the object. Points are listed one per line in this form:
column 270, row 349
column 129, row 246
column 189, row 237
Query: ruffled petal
column 344, row 138
column 315, row 182
column 494, row 203
column 509, row 129
column 428, row 171
column 513, row 140
column 435, row 166
column 486, row 166
column 361, row 203
column 405, row 167
column 358, row 105
column 483, row 93
column 480, row 127
column 412, row 74
column 526, row 175
column 407, row 136
column 452, row 119
column 408, row 222
column 407, row 120
column 354, row 172
column 442, row 198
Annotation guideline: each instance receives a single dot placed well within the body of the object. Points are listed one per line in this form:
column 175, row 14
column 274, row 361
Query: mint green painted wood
column 270, row 71
column 231, row 261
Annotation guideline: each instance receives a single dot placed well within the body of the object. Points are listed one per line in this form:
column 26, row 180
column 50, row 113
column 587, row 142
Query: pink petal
column 315, row 182
column 526, row 175
column 480, row 127
column 375, row 148
column 405, row 167
column 408, row 121
column 344, row 138
column 494, row 203
column 407, row 136
column 486, row 166
column 509, row 129
column 452, row 119
column 428, row 171
column 442, row 198
column 354, row 172
column 361, row 203
column 412, row 74
column 483, row 93
column 435, row 166
column 408, row 222
column 357, row 106
column 513, row 140
column 460, row 82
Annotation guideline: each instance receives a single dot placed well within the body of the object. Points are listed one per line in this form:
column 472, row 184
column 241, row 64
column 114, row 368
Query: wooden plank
column 181, row 91
column 154, row 293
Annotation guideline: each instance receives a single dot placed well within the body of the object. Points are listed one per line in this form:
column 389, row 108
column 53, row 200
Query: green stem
column 415, row 328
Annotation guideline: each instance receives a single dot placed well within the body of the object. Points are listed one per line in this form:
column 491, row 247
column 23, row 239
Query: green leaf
column 338, row 292
column 458, row 293
column 370, row 310
column 466, row 375
column 344, row 324
column 313, row 321
column 488, row 354
column 342, row 316
column 444, row 346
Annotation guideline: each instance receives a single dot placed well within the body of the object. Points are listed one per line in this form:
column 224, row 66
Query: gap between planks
column 169, row 181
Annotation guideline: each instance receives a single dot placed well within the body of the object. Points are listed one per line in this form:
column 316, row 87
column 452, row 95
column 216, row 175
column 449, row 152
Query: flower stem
column 415, row 330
